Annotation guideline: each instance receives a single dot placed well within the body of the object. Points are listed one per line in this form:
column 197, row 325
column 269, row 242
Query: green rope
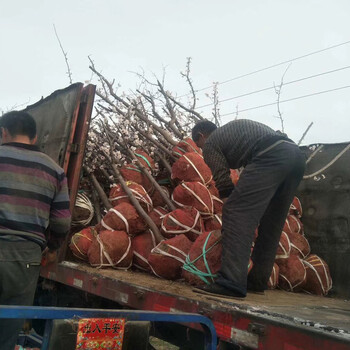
column 190, row 267
column 139, row 171
column 144, row 158
column 189, row 145
column 164, row 182
column 181, row 149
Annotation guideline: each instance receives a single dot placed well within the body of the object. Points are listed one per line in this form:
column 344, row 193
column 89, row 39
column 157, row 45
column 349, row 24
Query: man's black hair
column 204, row 127
column 19, row 123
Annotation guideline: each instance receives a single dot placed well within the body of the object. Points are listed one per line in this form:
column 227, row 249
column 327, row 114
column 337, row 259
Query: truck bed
column 247, row 322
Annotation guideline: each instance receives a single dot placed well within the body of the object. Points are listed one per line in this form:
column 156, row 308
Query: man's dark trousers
column 19, row 273
column 261, row 198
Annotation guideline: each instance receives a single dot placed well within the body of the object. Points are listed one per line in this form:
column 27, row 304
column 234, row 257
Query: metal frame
column 233, row 323
column 51, row 313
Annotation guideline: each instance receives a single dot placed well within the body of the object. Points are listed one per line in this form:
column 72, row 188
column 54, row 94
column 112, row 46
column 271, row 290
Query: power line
column 272, row 66
column 288, row 100
column 272, row 87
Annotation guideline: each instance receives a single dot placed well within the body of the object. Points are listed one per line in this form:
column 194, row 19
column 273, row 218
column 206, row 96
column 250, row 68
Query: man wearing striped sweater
column 273, row 168
column 34, row 215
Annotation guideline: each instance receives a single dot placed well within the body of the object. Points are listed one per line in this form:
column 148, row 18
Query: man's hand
column 48, row 256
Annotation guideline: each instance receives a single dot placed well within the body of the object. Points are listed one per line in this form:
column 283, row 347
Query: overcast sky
column 225, row 39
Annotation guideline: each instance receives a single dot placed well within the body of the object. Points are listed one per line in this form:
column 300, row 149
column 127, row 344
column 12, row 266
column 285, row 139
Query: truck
column 277, row 320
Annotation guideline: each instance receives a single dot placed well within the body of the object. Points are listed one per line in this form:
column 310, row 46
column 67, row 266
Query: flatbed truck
column 276, row 320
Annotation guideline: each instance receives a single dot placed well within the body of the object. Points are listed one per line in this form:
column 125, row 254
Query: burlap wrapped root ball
column 157, row 214
column 123, row 217
column 81, row 241
column 111, row 249
column 191, row 167
column 142, row 246
column 185, row 221
column 117, row 195
column 299, row 245
column 293, row 224
column 195, row 195
column 273, row 280
column 184, row 146
column 318, row 278
column 284, row 247
column 131, row 172
column 168, row 257
column 157, row 199
column 212, row 223
column 204, row 259
column 292, row 274
column 296, row 208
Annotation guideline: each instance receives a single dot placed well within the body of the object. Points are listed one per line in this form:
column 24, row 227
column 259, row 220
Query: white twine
column 104, row 253
column 157, row 250
column 309, row 264
column 75, row 245
column 197, row 171
column 185, row 227
column 210, row 211
column 83, row 201
column 285, row 252
column 145, row 198
column 122, row 217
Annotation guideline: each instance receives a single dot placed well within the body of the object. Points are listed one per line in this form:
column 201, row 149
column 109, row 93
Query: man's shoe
column 215, row 289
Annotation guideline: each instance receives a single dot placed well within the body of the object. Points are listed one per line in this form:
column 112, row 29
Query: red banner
column 100, row 333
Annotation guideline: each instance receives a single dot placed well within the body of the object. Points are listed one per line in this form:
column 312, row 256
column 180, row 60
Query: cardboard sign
column 100, row 333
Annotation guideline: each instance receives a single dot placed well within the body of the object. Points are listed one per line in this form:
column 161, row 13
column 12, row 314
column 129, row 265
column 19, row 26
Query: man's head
column 18, row 126
column 201, row 132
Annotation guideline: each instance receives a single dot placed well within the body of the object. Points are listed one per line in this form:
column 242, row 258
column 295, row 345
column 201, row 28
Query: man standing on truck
column 33, row 198
column 273, row 168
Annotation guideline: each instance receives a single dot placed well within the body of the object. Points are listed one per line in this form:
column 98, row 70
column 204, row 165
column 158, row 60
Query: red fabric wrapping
column 141, row 246
column 185, row 221
column 117, row 195
column 81, row 241
column 234, row 174
column 185, row 146
column 157, row 199
column 292, row 274
column 213, row 251
column 212, row 223
column 168, row 257
column 111, row 248
column 318, row 279
column 157, row 215
column 293, row 224
column 299, row 245
column 145, row 159
column 123, row 217
column 191, row 167
column 295, row 208
column 284, row 248
column 131, row 172
column 194, row 194
column 273, row 280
